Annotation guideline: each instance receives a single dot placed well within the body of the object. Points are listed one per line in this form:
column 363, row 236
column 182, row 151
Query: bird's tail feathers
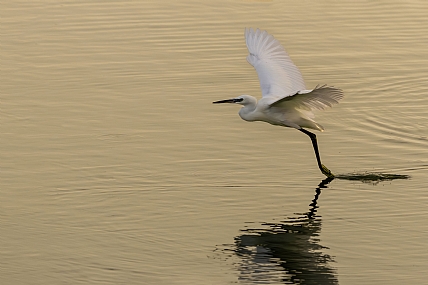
column 298, row 118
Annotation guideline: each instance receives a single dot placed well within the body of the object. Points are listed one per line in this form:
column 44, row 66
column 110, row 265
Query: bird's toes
column 326, row 171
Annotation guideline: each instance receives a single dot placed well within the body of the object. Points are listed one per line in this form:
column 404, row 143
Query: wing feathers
column 319, row 98
column 277, row 73
column 280, row 80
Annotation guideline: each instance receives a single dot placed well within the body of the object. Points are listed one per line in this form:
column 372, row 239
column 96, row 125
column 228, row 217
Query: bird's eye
column 239, row 100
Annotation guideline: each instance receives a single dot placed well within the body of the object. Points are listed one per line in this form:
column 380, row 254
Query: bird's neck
column 247, row 112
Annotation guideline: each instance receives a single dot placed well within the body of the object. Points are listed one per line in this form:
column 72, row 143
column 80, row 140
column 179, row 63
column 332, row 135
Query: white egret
column 285, row 100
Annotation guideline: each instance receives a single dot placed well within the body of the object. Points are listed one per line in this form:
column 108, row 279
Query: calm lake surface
column 116, row 168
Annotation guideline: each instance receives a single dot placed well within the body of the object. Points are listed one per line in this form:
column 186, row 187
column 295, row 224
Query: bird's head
column 242, row 100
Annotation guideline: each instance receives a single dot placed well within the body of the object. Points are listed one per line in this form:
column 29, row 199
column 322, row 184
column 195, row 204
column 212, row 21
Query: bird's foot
column 326, row 171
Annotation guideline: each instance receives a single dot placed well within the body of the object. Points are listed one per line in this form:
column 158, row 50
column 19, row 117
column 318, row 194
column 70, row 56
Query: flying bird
column 285, row 100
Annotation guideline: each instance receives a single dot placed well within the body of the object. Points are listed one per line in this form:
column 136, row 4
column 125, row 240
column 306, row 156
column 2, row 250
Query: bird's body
column 276, row 115
column 285, row 100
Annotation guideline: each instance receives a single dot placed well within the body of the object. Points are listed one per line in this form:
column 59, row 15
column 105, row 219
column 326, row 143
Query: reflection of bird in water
column 287, row 252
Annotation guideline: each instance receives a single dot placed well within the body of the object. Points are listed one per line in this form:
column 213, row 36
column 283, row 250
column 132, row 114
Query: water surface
column 117, row 169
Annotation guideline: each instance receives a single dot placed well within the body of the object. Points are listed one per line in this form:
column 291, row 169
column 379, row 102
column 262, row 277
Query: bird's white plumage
column 317, row 99
column 278, row 75
column 280, row 80
column 285, row 100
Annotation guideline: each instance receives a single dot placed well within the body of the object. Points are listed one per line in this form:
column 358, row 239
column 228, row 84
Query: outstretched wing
column 278, row 75
column 317, row 99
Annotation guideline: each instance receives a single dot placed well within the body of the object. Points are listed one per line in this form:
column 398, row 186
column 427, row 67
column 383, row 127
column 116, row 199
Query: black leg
column 323, row 169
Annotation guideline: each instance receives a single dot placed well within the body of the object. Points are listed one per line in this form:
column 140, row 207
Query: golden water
column 117, row 169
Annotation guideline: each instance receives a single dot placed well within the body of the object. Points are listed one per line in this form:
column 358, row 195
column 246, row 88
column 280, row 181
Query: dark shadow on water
column 288, row 251
column 371, row 177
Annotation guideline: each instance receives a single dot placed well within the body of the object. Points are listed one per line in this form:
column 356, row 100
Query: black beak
column 228, row 101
